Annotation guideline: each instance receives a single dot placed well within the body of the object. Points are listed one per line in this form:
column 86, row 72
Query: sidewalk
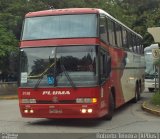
column 8, row 97
column 149, row 107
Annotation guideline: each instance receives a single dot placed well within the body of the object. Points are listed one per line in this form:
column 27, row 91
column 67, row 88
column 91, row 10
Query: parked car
column 151, row 82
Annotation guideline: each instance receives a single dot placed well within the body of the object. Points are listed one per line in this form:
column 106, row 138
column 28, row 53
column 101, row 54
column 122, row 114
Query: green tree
column 7, row 45
column 143, row 14
column 137, row 14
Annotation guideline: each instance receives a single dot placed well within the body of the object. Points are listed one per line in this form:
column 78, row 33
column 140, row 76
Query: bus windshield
column 59, row 66
column 60, row 26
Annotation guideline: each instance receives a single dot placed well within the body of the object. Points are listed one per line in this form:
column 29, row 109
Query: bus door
column 105, row 70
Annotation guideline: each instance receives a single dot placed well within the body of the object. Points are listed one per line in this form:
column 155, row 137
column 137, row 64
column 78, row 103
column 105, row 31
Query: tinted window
column 125, row 41
column 111, row 32
column 119, row 35
column 103, row 29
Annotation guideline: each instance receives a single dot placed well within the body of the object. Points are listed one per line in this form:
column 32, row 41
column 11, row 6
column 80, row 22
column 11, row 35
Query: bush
column 156, row 99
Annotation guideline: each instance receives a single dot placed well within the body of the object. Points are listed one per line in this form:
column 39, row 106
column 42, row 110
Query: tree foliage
column 7, row 46
column 137, row 14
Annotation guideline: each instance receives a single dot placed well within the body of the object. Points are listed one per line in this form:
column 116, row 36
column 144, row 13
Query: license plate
column 56, row 111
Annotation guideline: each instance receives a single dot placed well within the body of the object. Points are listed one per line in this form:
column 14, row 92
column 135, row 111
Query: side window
column 118, row 35
column 135, row 44
column 135, row 49
column 142, row 49
column 139, row 46
column 111, row 32
column 105, row 65
column 130, row 40
column 124, row 38
column 103, row 29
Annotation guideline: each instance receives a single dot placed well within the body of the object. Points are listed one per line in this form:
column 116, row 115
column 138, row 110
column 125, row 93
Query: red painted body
column 60, row 42
column 65, row 104
column 72, row 110
column 63, row 12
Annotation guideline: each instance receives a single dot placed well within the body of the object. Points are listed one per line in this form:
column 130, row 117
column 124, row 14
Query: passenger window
column 124, row 38
column 111, row 32
column 119, row 35
column 135, row 49
column 130, row 41
column 103, row 29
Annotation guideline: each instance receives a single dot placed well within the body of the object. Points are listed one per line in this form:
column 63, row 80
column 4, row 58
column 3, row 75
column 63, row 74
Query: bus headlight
column 27, row 101
column 32, row 100
column 89, row 110
column 86, row 100
column 26, row 111
column 86, row 110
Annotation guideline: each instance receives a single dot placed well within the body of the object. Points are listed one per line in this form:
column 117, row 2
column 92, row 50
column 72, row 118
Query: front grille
column 58, row 102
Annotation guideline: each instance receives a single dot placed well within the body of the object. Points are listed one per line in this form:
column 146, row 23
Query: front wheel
column 110, row 108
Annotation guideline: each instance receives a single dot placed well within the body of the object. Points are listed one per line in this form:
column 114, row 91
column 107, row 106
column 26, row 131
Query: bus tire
column 140, row 91
column 137, row 93
column 110, row 108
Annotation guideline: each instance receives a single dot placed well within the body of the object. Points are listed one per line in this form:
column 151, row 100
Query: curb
column 9, row 97
column 150, row 110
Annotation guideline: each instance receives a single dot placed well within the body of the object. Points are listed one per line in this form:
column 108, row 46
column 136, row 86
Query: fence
column 8, row 88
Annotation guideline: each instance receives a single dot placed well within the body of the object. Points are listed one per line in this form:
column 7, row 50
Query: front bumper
column 61, row 111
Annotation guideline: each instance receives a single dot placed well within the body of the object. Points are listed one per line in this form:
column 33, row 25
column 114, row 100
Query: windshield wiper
column 68, row 77
column 41, row 75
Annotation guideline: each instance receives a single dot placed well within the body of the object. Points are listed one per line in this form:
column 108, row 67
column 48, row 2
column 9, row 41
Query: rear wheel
column 137, row 93
column 140, row 91
column 110, row 108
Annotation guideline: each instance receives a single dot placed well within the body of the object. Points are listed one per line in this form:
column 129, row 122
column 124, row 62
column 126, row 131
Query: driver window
column 105, row 65
column 103, row 29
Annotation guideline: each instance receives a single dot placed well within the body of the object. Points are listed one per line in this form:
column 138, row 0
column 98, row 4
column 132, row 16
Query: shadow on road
column 68, row 122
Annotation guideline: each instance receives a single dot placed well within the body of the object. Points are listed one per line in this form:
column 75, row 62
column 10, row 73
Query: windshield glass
column 61, row 66
column 60, row 26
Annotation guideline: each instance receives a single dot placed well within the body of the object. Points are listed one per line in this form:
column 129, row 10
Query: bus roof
column 76, row 11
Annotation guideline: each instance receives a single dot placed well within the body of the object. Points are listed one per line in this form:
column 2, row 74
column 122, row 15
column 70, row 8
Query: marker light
column 94, row 100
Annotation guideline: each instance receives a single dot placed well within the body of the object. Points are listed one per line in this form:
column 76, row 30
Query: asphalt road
column 130, row 118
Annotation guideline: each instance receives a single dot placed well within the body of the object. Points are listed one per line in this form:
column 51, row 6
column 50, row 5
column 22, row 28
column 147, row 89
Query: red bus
column 78, row 63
